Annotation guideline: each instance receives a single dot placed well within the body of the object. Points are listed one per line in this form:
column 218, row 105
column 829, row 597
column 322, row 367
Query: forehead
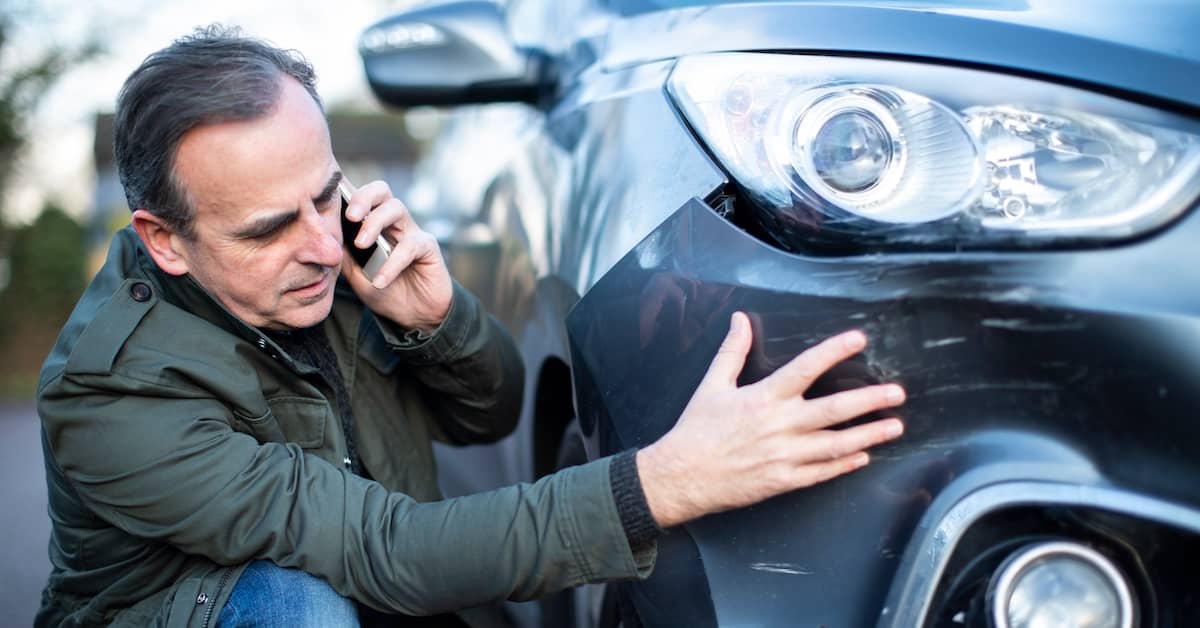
column 232, row 170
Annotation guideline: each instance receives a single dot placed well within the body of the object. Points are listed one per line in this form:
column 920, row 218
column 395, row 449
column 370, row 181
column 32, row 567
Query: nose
column 321, row 242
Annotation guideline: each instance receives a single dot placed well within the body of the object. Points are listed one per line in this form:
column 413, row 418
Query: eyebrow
column 330, row 188
column 266, row 225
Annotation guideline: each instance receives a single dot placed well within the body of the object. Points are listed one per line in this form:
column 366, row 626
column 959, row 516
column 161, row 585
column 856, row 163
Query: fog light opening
column 1060, row 584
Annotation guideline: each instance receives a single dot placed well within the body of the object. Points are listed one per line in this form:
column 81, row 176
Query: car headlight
column 1060, row 584
column 841, row 150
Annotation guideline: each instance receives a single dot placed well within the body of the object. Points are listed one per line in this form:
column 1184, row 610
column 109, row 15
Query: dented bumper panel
column 1070, row 368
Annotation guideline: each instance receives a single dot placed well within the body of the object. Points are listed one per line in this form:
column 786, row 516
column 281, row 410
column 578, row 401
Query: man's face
column 267, row 239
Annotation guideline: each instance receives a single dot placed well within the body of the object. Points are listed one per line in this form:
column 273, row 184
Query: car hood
column 1167, row 27
column 1147, row 50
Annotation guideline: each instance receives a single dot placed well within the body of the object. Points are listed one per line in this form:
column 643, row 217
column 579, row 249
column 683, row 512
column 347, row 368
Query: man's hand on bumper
column 735, row 446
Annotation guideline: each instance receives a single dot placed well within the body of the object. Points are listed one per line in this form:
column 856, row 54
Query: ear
column 163, row 243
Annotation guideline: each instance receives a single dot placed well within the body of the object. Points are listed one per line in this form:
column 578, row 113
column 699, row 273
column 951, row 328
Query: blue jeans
column 269, row 596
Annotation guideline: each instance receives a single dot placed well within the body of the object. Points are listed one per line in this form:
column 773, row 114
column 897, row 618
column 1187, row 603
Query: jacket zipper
column 213, row 600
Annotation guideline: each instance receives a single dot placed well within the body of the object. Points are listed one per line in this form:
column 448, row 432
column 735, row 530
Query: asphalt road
column 23, row 522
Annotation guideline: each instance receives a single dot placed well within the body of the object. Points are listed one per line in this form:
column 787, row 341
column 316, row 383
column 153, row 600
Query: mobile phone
column 371, row 259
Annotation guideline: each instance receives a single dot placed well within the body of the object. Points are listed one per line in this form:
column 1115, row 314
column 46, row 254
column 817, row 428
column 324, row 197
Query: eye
column 267, row 236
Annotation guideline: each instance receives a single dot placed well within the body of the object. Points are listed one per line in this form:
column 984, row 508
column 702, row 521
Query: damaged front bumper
column 1059, row 381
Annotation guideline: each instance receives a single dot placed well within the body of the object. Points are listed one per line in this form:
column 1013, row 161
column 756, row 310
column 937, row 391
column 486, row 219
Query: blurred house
column 369, row 146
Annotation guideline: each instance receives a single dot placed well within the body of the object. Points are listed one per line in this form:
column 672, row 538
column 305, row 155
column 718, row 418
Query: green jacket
column 181, row 443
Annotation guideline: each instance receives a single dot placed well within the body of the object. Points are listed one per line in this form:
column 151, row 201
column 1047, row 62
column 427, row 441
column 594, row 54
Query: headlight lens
column 851, row 150
column 876, row 152
column 1059, row 584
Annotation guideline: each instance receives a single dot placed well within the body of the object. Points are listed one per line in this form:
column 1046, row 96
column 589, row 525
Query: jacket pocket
column 299, row 420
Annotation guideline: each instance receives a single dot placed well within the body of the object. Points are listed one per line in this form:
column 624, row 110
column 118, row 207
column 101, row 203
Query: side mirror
column 449, row 54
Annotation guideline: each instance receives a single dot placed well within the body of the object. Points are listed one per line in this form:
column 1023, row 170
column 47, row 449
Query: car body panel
column 1081, row 360
column 601, row 241
column 1147, row 50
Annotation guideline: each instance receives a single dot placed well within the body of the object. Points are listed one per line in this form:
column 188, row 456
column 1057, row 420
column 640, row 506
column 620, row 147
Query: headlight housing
column 843, row 151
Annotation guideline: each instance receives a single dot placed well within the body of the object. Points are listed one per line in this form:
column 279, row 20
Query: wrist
column 425, row 324
column 665, row 482
column 425, row 328
column 636, row 519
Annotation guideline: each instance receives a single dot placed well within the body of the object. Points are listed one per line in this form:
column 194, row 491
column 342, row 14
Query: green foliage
column 46, row 259
column 47, row 262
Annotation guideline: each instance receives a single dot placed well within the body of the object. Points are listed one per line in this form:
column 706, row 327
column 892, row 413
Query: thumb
column 731, row 356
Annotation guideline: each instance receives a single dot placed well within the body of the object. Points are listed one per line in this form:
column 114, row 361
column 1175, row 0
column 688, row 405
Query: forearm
column 208, row 491
column 518, row 543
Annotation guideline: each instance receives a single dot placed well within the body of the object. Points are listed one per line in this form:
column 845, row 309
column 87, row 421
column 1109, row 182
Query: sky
column 58, row 164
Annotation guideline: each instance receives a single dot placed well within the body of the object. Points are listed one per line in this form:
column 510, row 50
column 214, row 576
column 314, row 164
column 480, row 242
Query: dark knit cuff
column 638, row 523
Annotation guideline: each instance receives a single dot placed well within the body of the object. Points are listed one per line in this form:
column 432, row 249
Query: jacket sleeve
column 470, row 368
column 166, row 465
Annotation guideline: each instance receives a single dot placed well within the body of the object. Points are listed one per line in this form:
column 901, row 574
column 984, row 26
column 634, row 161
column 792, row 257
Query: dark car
column 998, row 192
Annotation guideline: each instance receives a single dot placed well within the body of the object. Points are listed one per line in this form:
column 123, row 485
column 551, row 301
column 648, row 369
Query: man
column 237, row 422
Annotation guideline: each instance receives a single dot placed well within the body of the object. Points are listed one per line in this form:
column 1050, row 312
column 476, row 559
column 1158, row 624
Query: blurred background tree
column 21, row 88
column 47, row 261
column 42, row 265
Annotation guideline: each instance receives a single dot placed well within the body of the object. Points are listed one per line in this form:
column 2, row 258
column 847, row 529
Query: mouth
column 315, row 290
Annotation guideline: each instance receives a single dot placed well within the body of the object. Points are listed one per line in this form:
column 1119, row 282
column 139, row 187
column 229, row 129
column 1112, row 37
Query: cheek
column 260, row 272
column 271, row 269
column 236, row 256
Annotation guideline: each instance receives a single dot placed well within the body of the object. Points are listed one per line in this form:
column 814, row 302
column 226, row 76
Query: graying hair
column 214, row 75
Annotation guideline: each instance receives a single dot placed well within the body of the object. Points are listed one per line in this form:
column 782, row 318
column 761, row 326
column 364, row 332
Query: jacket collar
column 187, row 294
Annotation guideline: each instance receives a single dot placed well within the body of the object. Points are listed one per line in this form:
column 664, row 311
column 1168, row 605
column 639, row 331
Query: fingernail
column 854, row 341
column 895, row 394
column 735, row 323
column 861, row 459
column 378, row 283
column 894, row 428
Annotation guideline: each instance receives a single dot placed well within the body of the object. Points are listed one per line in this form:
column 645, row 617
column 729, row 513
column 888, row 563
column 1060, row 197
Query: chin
column 307, row 315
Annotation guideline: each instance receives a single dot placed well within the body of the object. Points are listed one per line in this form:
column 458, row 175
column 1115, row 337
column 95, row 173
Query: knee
column 268, row 595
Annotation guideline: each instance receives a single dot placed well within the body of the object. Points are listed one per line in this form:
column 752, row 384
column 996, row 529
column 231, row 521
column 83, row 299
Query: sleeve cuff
column 603, row 552
column 442, row 343
column 640, row 528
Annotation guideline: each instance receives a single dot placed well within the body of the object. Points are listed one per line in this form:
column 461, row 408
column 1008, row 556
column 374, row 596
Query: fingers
column 822, row 412
column 374, row 206
column 365, row 199
column 391, row 216
column 798, row 374
column 731, row 356
column 816, row 473
column 826, row 445
column 412, row 248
